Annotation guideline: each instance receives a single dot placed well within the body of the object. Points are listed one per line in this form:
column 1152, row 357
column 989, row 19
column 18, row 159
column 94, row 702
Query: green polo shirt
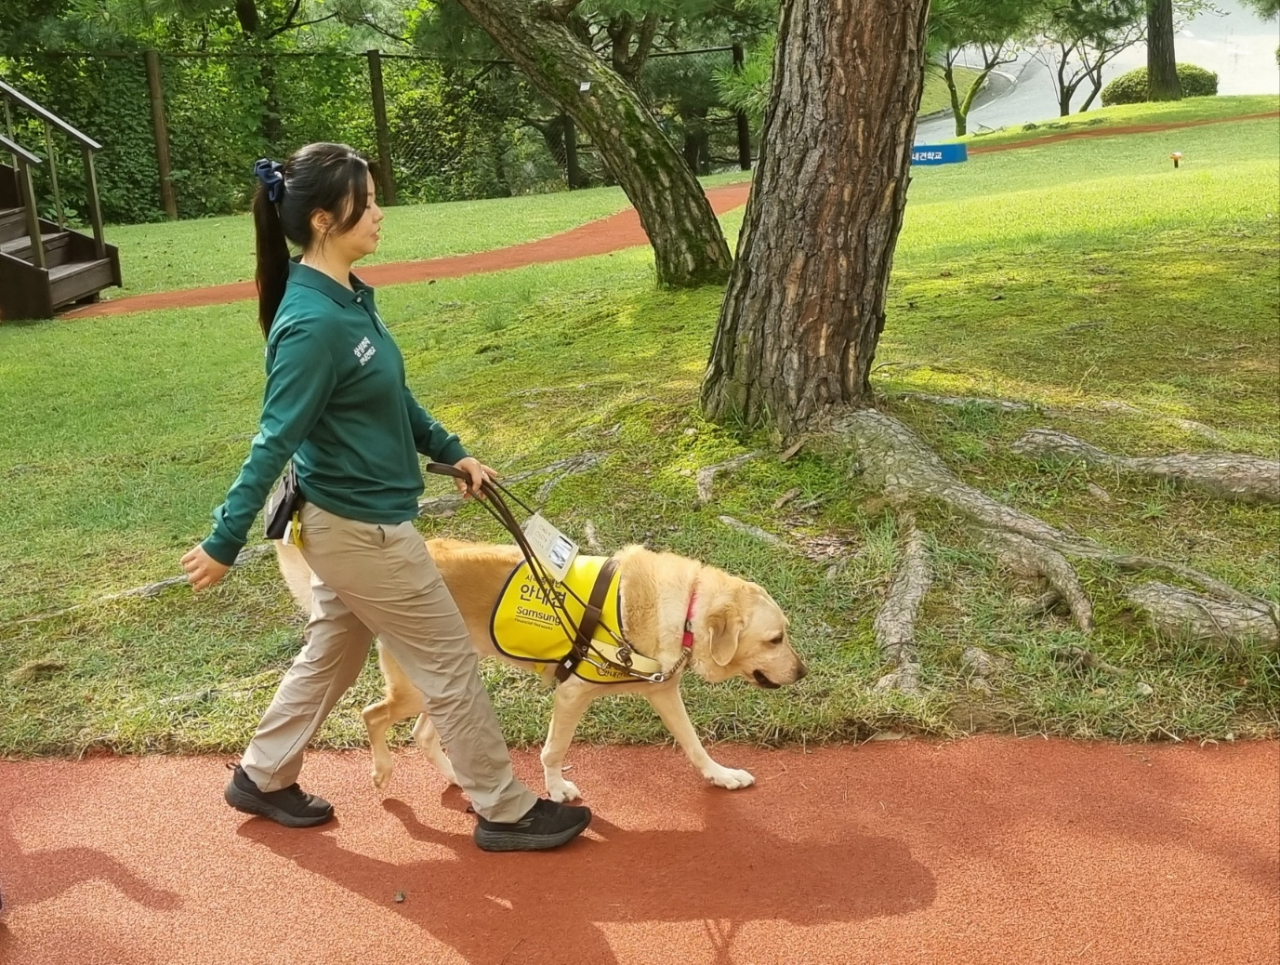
column 336, row 402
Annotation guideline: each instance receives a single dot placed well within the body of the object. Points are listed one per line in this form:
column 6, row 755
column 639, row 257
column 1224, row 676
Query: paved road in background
column 1238, row 46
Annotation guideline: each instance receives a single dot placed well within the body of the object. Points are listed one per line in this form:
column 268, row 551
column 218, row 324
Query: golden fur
column 739, row 631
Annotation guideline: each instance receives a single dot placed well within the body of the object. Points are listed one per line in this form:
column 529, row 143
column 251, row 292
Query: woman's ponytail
column 273, row 250
column 319, row 177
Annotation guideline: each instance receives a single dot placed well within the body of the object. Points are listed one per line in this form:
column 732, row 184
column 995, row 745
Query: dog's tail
column 296, row 573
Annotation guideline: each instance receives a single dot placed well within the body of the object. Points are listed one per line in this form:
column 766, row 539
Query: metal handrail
column 27, row 103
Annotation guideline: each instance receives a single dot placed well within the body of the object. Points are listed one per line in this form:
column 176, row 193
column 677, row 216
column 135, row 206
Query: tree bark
column 689, row 247
column 961, row 117
column 247, row 15
column 798, row 328
column 1162, row 65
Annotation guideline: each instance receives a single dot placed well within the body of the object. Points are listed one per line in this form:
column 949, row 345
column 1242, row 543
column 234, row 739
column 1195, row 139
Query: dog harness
column 525, row 626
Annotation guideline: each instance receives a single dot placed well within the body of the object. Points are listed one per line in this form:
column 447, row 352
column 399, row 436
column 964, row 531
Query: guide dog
column 736, row 630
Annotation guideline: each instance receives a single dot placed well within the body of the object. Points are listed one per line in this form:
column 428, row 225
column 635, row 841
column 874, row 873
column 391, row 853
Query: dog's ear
column 724, row 627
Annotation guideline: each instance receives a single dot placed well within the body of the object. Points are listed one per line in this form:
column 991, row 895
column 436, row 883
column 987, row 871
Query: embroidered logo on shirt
column 364, row 351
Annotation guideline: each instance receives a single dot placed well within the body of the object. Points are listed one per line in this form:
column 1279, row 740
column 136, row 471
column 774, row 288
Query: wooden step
column 57, row 248
column 13, row 223
column 78, row 279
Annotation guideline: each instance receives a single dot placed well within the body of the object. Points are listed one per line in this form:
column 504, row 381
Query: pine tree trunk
column 1162, row 64
column 805, row 306
column 689, row 247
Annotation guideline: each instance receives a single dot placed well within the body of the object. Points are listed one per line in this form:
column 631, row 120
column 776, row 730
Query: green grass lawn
column 1124, row 296
column 1173, row 112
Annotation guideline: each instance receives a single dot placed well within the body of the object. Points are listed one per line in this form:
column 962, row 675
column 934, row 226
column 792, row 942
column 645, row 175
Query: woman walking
column 337, row 405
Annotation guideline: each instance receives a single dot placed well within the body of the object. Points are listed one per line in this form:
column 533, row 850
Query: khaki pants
column 378, row 580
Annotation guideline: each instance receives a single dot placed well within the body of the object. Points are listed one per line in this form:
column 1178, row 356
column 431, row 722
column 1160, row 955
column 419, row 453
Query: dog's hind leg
column 377, row 721
column 428, row 738
column 572, row 698
column 402, row 700
column 666, row 700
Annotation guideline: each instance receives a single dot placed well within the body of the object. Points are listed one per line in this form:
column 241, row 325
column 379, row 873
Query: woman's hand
column 203, row 571
column 477, row 472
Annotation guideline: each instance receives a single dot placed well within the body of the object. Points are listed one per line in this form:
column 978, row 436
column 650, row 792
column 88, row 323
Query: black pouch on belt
column 283, row 503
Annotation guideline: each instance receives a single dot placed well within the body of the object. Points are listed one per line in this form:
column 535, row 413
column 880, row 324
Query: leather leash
column 580, row 634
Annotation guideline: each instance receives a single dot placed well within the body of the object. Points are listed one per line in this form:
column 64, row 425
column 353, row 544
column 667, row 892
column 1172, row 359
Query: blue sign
column 939, row 153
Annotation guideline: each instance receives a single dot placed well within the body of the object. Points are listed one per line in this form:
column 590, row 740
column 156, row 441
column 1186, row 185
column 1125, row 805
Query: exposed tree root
column 1180, row 613
column 1036, row 561
column 561, row 470
column 707, row 474
column 981, row 667
column 891, row 457
column 896, row 621
column 1225, row 474
column 151, row 589
column 589, row 537
column 1080, row 657
column 785, row 498
column 959, row 401
column 755, row 532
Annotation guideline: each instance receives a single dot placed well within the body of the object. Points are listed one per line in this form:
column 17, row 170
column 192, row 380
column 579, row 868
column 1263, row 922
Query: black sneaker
column 545, row 825
column 291, row 806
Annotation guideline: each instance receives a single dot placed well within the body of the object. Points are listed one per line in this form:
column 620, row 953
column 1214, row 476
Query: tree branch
column 644, row 42
column 298, row 26
column 557, row 10
column 288, row 20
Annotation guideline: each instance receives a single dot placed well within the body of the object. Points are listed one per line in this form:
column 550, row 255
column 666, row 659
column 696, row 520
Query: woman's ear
column 321, row 223
column 724, row 627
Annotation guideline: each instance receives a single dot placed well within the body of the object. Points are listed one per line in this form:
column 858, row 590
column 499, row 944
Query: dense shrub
column 1131, row 88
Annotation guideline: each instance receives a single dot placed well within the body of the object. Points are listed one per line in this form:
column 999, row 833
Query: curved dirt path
column 614, row 233
column 989, row 850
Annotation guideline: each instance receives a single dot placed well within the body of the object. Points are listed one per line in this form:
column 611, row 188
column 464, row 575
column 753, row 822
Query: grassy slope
column 1175, row 112
column 1079, row 275
column 935, row 97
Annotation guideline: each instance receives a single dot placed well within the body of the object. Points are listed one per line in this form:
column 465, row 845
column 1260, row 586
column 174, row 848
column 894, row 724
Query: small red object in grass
column 1177, row 156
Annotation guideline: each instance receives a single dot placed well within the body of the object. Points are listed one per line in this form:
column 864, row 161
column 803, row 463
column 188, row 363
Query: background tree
column 987, row 29
column 805, row 310
column 677, row 90
column 547, row 44
column 748, row 89
column 805, row 306
column 1162, row 61
column 1079, row 38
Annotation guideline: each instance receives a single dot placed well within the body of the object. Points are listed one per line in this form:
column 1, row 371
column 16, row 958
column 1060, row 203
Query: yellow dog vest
column 525, row 627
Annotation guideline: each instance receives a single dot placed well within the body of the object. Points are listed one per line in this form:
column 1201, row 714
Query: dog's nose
column 801, row 671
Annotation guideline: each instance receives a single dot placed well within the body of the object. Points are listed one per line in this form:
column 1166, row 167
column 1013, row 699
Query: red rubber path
column 984, row 851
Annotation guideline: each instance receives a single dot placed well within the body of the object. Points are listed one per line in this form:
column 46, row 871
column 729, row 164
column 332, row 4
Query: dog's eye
column 776, row 639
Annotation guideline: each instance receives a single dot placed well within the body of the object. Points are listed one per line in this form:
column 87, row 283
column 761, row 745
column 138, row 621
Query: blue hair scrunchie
column 271, row 174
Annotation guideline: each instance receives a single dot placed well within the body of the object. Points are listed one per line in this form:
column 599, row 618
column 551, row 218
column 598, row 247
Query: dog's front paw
column 381, row 774
column 561, row 791
column 729, row 778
